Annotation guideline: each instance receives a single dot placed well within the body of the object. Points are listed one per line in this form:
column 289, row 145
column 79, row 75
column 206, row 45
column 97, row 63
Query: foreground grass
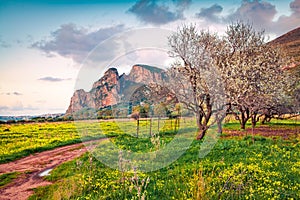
column 236, row 168
column 8, row 178
column 20, row 140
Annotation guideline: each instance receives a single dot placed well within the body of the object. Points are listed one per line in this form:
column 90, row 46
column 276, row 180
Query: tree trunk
column 201, row 127
column 243, row 124
column 253, row 123
column 158, row 124
column 253, row 120
column 176, row 123
column 244, row 118
column 201, row 133
column 150, row 133
column 219, row 123
column 265, row 119
column 137, row 127
column 220, row 119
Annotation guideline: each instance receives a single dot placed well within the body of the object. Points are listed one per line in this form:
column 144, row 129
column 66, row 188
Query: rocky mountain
column 110, row 88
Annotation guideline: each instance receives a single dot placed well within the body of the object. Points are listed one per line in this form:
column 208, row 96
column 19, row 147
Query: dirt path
column 266, row 131
column 33, row 165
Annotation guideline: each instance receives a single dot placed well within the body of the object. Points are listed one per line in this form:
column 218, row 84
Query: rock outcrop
column 108, row 90
column 79, row 100
column 145, row 74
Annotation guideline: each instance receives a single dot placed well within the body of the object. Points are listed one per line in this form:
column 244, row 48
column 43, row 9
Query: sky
column 47, row 48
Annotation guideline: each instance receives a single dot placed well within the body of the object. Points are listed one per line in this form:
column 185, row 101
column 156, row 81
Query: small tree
column 136, row 115
column 177, row 110
column 159, row 111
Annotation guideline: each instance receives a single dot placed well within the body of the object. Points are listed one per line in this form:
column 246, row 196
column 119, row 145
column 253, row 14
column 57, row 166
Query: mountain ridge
column 290, row 42
column 111, row 86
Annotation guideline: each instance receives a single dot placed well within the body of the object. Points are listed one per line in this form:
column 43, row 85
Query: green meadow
column 23, row 139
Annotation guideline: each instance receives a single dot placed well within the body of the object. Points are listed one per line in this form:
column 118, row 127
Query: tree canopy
column 238, row 73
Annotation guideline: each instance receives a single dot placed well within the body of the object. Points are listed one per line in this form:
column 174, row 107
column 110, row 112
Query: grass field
column 237, row 167
column 19, row 140
column 23, row 139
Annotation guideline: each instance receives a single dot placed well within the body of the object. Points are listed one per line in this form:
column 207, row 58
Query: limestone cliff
column 79, row 100
column 111, row 87
column 145, row 74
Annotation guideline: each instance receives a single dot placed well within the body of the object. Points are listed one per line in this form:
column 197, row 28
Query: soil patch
column 31, row 166
column 266, row 131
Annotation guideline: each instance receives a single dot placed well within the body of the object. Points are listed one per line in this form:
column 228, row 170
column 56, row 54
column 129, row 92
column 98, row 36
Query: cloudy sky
column 44, row 45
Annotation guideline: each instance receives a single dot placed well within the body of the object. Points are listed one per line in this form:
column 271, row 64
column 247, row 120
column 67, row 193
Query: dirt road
column 33, row 165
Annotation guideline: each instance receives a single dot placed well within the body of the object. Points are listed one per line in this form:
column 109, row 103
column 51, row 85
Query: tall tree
column 194, row 78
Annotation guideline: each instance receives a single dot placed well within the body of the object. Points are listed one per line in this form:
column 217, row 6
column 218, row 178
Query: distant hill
column 31, row 118
column 291, row 44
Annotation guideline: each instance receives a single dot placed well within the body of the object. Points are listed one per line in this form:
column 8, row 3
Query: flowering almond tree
column 252, row 73
column 239, row 73
column 194, row 78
